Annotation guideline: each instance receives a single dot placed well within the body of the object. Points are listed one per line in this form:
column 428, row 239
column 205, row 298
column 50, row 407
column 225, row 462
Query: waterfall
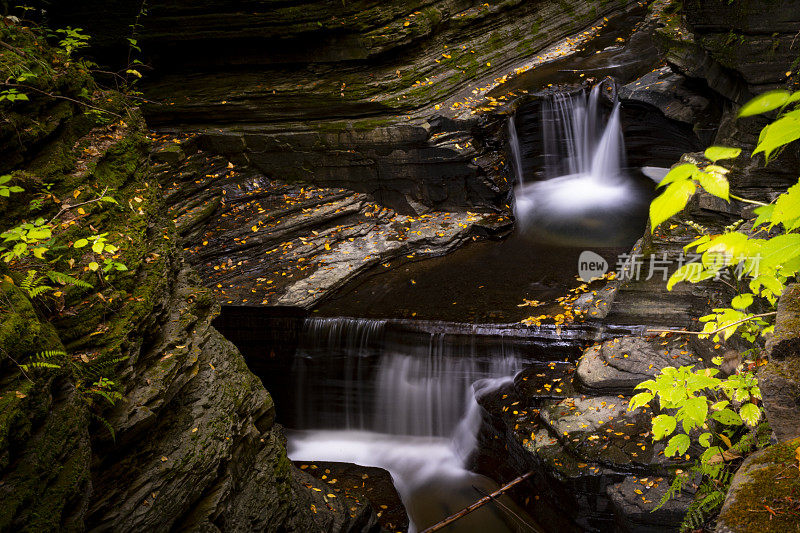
column 348, row 370
column 585, row 195
column 513, row 141
column 405, row 401
column 575, row 141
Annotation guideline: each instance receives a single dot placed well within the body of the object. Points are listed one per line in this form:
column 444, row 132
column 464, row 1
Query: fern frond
column 64, row 279
column 106, row 423
column 38, row 291
column 674, row 489
column 94, row 369
column 40, row 360
column 50, row 354
column 38, row 364
column 702, row 509
column 29, row 282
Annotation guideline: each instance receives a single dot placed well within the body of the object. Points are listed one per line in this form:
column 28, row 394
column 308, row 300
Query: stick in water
column 483, row 501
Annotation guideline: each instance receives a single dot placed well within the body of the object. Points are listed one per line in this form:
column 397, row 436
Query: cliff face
column 355, row 94
column 191, row 443
column 754, row 39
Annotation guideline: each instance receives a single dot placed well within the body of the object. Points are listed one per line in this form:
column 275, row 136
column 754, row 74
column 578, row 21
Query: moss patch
column 772, row 480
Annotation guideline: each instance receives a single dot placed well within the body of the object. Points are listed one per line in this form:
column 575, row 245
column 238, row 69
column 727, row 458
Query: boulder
column 616, row 366
column 765, row 493
column 779, row 379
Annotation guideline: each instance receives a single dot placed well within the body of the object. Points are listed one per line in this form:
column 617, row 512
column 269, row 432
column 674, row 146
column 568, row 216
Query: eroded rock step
column 596, row 465
column 266, row 242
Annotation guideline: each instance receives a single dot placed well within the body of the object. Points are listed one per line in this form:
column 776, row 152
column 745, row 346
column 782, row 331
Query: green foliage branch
column 720, row 416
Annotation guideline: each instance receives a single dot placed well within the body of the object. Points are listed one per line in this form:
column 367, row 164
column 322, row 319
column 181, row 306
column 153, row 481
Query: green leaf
column 715, row 184
column 764, row 213
column 5, row 179
column 778, row 250
column 80, row 243
column 722, row 404
column 727, row 417
column 742, row 301
column 750, row 413
column 778, row 134
column 786, row 209
column 677, row 445
column 663, row 426
column 109, row 199
column 680, row 173
column 97, row 247
column 39, row 252
column 670, row 202
column 691, row 272
column 765, row 103
column 717, row 153
column 93, row 266
column 639, row 400
column 695, row 410
column 710, row 454
column 705, row 440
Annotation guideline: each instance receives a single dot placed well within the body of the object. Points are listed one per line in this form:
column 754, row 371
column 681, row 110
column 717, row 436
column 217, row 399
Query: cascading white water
column 402, row 389
column 516, row 153
column 409, row 408
column 585, row 191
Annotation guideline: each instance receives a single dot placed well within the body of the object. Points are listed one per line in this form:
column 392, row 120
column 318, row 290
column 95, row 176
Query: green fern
column 64, row 279
column 32, row 285
column 95, row 369
column 106, row 423
column 702, row 509
column 42, row 360
column 674, row 489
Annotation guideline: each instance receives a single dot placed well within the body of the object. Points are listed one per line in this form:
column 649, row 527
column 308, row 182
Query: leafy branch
column 718, row 330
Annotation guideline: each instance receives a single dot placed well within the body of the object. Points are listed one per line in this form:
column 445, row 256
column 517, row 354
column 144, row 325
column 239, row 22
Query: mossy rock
column 764, row 493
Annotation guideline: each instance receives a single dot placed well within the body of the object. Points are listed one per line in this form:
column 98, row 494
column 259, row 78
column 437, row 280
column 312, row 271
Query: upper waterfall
column 586, row 192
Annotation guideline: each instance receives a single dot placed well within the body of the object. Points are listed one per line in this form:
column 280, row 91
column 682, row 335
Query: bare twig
column 506, row 508
column 13, row 49
column 747, row 201
column 483, row 501
column 723, row 328
column 62, row 97
column 68, row 207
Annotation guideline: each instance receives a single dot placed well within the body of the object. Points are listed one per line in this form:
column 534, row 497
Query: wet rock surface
column 633, row 498
column 267, row 242
column 618, row 365
column 359, row 485
column 595, row 463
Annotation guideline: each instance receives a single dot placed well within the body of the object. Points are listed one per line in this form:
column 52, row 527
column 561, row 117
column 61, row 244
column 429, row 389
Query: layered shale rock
column 343, row 94
column 258, row 241
column 191, row 444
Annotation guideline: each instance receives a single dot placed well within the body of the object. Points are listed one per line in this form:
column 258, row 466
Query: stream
column 404, row 401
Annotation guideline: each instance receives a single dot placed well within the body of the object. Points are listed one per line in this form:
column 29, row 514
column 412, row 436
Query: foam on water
column 424, row 423
column 586, row 194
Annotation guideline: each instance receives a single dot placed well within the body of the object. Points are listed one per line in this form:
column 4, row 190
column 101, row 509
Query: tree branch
column 61, row 97
column 68, row 207
column 723, row 328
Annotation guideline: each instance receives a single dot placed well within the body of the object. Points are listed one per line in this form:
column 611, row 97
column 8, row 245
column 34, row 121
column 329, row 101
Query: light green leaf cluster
column 692, row 401
column 681, row 183
column 100, row 246
column 29, row 238
column 7, row 190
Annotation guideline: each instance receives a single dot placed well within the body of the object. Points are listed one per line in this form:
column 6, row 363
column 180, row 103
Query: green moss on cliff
column 772, row 484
